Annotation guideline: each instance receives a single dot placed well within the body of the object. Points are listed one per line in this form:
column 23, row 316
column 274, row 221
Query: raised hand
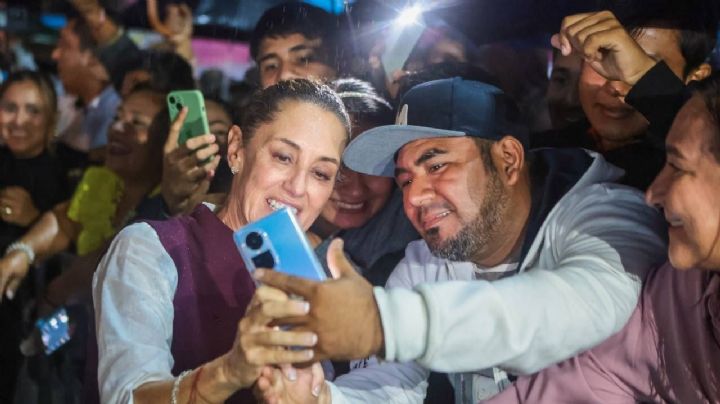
column 186, row 172
column 605, row 45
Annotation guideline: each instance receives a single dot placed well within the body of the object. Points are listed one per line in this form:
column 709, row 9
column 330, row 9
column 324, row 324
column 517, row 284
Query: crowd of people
column 471, row 257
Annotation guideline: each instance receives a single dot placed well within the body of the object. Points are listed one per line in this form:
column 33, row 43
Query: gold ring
column 8, row 211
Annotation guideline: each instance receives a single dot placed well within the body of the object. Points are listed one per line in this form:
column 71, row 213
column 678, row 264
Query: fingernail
column 258, row 274
column 306, row 307
column 10, row 294
column 313, row 339
column 316, row 391
column 292, row 374
column 309, row 354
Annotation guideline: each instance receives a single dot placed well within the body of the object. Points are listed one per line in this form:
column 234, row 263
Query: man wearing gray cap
column 527, row 257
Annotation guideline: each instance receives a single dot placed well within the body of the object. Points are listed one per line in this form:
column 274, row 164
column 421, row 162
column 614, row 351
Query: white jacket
column 577, row 285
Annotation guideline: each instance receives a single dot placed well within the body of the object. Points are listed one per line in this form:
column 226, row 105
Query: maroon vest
column 213, row 290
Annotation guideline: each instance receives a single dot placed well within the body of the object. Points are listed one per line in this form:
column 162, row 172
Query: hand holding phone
column 277, row 242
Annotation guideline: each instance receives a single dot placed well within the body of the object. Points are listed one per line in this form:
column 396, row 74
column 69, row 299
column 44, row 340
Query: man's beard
column 475, row 235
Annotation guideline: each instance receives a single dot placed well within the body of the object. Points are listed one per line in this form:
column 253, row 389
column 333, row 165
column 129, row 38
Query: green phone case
column 196, row 122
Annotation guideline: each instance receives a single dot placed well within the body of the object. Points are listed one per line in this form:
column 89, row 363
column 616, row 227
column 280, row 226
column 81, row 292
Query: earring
column 234, row 170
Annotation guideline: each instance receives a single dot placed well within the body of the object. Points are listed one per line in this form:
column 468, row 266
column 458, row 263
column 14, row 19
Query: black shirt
column 45, row 179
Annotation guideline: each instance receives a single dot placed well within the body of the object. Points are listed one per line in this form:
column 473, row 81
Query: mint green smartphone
column 196, row 122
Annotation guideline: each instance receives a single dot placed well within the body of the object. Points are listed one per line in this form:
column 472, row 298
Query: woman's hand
column 13, row 268
column 292, row 385
column 16, row 206
column 257, row 343
column 186, row 173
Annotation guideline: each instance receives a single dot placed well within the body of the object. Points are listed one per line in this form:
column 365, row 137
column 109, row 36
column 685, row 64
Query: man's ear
column 510, row 154
column 701, row 72
column 236, row 149
column 96, row 68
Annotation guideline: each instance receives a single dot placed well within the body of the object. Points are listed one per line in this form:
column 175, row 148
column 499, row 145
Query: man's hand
column 290, row 385
column 13, row 268
column 605, row 45
column 16, row 206
column 186, row 172
column 343, row 312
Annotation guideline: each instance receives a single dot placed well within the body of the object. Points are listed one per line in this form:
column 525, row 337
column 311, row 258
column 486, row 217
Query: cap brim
column 373, row 151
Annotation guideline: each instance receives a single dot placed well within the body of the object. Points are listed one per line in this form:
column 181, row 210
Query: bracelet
column 24, row 247
column 176, row 386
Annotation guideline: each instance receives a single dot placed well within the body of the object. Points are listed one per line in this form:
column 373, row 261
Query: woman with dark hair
column 32, row 180
column 364, row 210
column 170, row 295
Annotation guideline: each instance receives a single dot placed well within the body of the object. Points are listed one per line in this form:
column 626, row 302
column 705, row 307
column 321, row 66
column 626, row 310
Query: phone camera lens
column 179, row 105
column 254, row 240
column 172, row 100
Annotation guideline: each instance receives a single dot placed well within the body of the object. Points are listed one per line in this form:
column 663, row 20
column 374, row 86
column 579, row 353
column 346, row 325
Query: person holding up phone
column 178, row 314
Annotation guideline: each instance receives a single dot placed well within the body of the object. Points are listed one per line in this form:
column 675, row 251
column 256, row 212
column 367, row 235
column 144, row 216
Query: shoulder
column 418, row 266
column 137, row 257
column 608, row 200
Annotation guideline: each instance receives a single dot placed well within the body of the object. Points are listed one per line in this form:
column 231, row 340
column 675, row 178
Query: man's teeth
column 442, row 214
column 351, row 206
column 276, row 205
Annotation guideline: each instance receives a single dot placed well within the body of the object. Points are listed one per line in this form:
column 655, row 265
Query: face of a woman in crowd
column 129, row 150
column 356, row 197
column 686, row 189
column 25, row 119
column 291, row 161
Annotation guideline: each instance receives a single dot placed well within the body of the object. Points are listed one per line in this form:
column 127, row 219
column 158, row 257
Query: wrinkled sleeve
column 133, row 291
column 582, row 289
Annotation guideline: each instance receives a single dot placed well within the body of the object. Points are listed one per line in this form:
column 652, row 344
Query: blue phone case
column 277, row 242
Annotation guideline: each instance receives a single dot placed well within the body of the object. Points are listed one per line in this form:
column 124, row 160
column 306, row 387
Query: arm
column 52, row 233
column 658, row 96
column 581, row 290
column 133, row 293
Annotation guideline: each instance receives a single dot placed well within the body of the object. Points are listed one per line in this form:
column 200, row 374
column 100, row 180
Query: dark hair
column 362, row 102
column 696, row 24
column 45, row 88
column 265, row 104
column 168, row 71
column 709, row 90
column 81, row 28
column 295, row 18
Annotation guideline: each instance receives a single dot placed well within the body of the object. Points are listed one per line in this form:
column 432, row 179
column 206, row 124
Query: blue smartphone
column 54, row 330
column 277, row 242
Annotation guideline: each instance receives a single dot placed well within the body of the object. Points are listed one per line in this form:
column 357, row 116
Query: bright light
column 409, row 16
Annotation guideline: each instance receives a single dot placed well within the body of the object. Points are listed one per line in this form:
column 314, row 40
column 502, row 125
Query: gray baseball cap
column 441, row 108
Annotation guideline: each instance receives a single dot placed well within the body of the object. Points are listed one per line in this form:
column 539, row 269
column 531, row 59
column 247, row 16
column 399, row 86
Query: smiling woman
column 182, row 281
column 32, row 180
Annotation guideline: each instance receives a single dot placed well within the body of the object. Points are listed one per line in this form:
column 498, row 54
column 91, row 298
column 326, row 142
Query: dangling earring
column 234, row 170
